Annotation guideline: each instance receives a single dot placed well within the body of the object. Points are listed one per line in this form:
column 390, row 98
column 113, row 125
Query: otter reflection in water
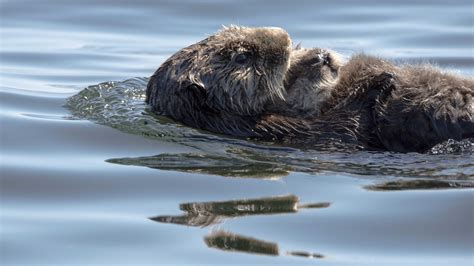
column 413, row 171
column 208, row 213
column 233, row 242
column 228, row 241
column 229, row 166
column 420, row 184
column 249, row 82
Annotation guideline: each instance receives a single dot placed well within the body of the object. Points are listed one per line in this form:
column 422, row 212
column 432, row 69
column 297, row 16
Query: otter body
column 223, row 83
column 249, row 82
column 407, row 108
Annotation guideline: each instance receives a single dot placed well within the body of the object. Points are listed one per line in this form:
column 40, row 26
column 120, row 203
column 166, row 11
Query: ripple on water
column 76, row 192
column 121, row 105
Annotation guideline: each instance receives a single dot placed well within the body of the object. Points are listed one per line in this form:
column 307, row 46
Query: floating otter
column 384, row 106
column 223, row 83
column 249, row 82
column 308, row 83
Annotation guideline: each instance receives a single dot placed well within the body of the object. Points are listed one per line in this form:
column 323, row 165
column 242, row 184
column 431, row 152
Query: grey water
column 90, row 177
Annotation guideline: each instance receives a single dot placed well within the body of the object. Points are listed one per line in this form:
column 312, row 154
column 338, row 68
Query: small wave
column 50, row 117
column 121, row 105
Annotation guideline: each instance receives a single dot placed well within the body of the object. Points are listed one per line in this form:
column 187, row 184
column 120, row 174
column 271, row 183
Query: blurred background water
column 103, row 182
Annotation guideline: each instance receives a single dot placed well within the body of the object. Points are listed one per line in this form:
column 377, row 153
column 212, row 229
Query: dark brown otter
column 389, row 107
column 415, row 107
column 223, row 83
column 233, row 83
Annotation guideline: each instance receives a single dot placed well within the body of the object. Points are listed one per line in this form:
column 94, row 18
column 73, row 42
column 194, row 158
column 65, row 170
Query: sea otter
column 308, row 83
column 223, row 83
column 250, row 82
column 397, row 108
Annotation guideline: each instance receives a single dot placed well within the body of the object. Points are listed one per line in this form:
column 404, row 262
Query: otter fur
column 222, row 83
column 384, row 106
column 308, row 82
column 249, row 82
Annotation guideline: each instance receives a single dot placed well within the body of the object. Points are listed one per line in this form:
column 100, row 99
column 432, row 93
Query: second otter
column 384, row 106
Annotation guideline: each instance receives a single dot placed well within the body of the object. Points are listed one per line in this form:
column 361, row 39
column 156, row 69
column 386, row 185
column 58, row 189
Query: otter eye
column 242, row 58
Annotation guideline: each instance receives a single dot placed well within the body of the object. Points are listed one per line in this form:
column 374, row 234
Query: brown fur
column 400, row 108
column 309, row 82
column 210, row 86
column 307, row 96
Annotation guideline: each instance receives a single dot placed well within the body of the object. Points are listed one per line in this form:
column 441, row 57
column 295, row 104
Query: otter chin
column 250, row 82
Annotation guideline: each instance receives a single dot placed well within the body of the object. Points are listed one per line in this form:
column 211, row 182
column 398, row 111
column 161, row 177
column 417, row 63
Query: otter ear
column 194, row 87
column 198, row 91
column 199, row 95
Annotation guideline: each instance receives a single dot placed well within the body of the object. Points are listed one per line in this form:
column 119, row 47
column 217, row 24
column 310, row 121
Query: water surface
column 95, row 179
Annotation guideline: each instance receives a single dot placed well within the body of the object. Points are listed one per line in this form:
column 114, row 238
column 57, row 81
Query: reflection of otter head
column 235, row 71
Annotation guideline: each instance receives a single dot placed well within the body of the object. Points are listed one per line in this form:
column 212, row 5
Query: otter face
column 310, row 79
column 254, row 63
column 235, row 71
column 316, row 65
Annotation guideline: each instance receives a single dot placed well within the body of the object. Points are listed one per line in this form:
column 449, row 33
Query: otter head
column 235, row 71
column 316, row 65
column 310, row 79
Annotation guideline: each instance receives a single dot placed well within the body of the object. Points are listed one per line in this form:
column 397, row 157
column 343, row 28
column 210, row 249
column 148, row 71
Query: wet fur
column 401, row 108
column 309, row 82
column 204, row 87
column 369, row 102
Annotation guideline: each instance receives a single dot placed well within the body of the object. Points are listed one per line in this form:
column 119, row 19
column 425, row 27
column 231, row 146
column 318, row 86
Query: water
column 96, row 179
